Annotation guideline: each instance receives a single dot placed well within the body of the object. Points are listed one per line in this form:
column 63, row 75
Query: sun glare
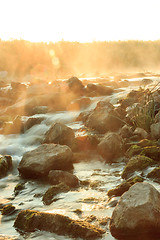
column 82, row 21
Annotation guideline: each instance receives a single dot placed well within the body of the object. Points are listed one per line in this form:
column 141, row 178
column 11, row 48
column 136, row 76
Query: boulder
column 141, row 133
column 98, row 90
column 136, row 163
column 5, row 165
column 111, row 147
column 30, row 221
column 155, row 130
column 38, row 162
column 32, row 121
column 104, row 118
column 126, row 131
column 61, row 134
column 154, row 174
column 75, row 85
column 152, row 152
column 137, row 213
column 57, row 176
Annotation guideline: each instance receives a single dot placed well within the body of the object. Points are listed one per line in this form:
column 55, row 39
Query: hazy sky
column 80, row 20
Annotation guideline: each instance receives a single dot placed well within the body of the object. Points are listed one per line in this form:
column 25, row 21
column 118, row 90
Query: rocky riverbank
column 63, row 131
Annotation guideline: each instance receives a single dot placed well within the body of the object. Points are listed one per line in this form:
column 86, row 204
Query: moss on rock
column 48, row 197
column 152, row 152
column 30, row 221
column 136, row 163
column 133, row 150
column 8, row 209
column 124, row 186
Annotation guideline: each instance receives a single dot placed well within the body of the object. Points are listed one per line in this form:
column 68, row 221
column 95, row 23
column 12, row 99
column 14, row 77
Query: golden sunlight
column 82, row 21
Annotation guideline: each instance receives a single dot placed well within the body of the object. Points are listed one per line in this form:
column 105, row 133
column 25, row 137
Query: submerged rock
column 58, row 176
column 30, row 221
column 49, row 195
column 137, row 213
column 60, row 134
column 8, row 209
column 38, row 162
column 111, row 147
column 5, row 165
column 136, row 163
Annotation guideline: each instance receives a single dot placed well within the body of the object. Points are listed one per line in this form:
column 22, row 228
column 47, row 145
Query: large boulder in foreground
column 111, row 147
column 137, row 213
column 30, row 221
column 38, row 162
column 59, row 133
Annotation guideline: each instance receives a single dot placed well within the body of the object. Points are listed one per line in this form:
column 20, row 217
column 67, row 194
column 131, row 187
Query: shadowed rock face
column 104, row 118
column 137, row 213
column 111, row 147
column 38, row 162
column 30, row 221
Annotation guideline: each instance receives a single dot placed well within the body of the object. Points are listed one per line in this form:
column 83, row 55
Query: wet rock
column 38, row 162
column 58, row 176
column 111, row 147
column 5, row 165
column 86, row 141
column 104, row 118
column 152, row 152
column 30, row 221
column 75, row 85
column 16, row 86
column 49, row 195
column 133, row 150
column 83, row 116
column 146, row 143
column 126, row 131
column 18, row 188
column 60, row 134
column 137, row 213
column 98, row 90
column 123, row 187
column 154, row 174
column 8, row 209
column 155, row 130
column 136, row 163
column 32, row 121
column 141, row 133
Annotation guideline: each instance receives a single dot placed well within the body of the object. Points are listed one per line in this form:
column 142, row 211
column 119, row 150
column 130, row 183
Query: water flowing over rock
column 111, row 147
column 29, row 221
column 38, row 162
column 60, row 134
column 137, row 213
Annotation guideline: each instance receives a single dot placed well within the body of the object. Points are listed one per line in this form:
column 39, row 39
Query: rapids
column 86, row 201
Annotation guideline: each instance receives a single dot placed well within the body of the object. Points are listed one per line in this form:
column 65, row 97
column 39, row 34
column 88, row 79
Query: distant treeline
column 62, row 59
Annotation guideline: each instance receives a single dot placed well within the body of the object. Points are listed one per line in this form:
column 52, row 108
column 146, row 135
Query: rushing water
column 91, row 199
